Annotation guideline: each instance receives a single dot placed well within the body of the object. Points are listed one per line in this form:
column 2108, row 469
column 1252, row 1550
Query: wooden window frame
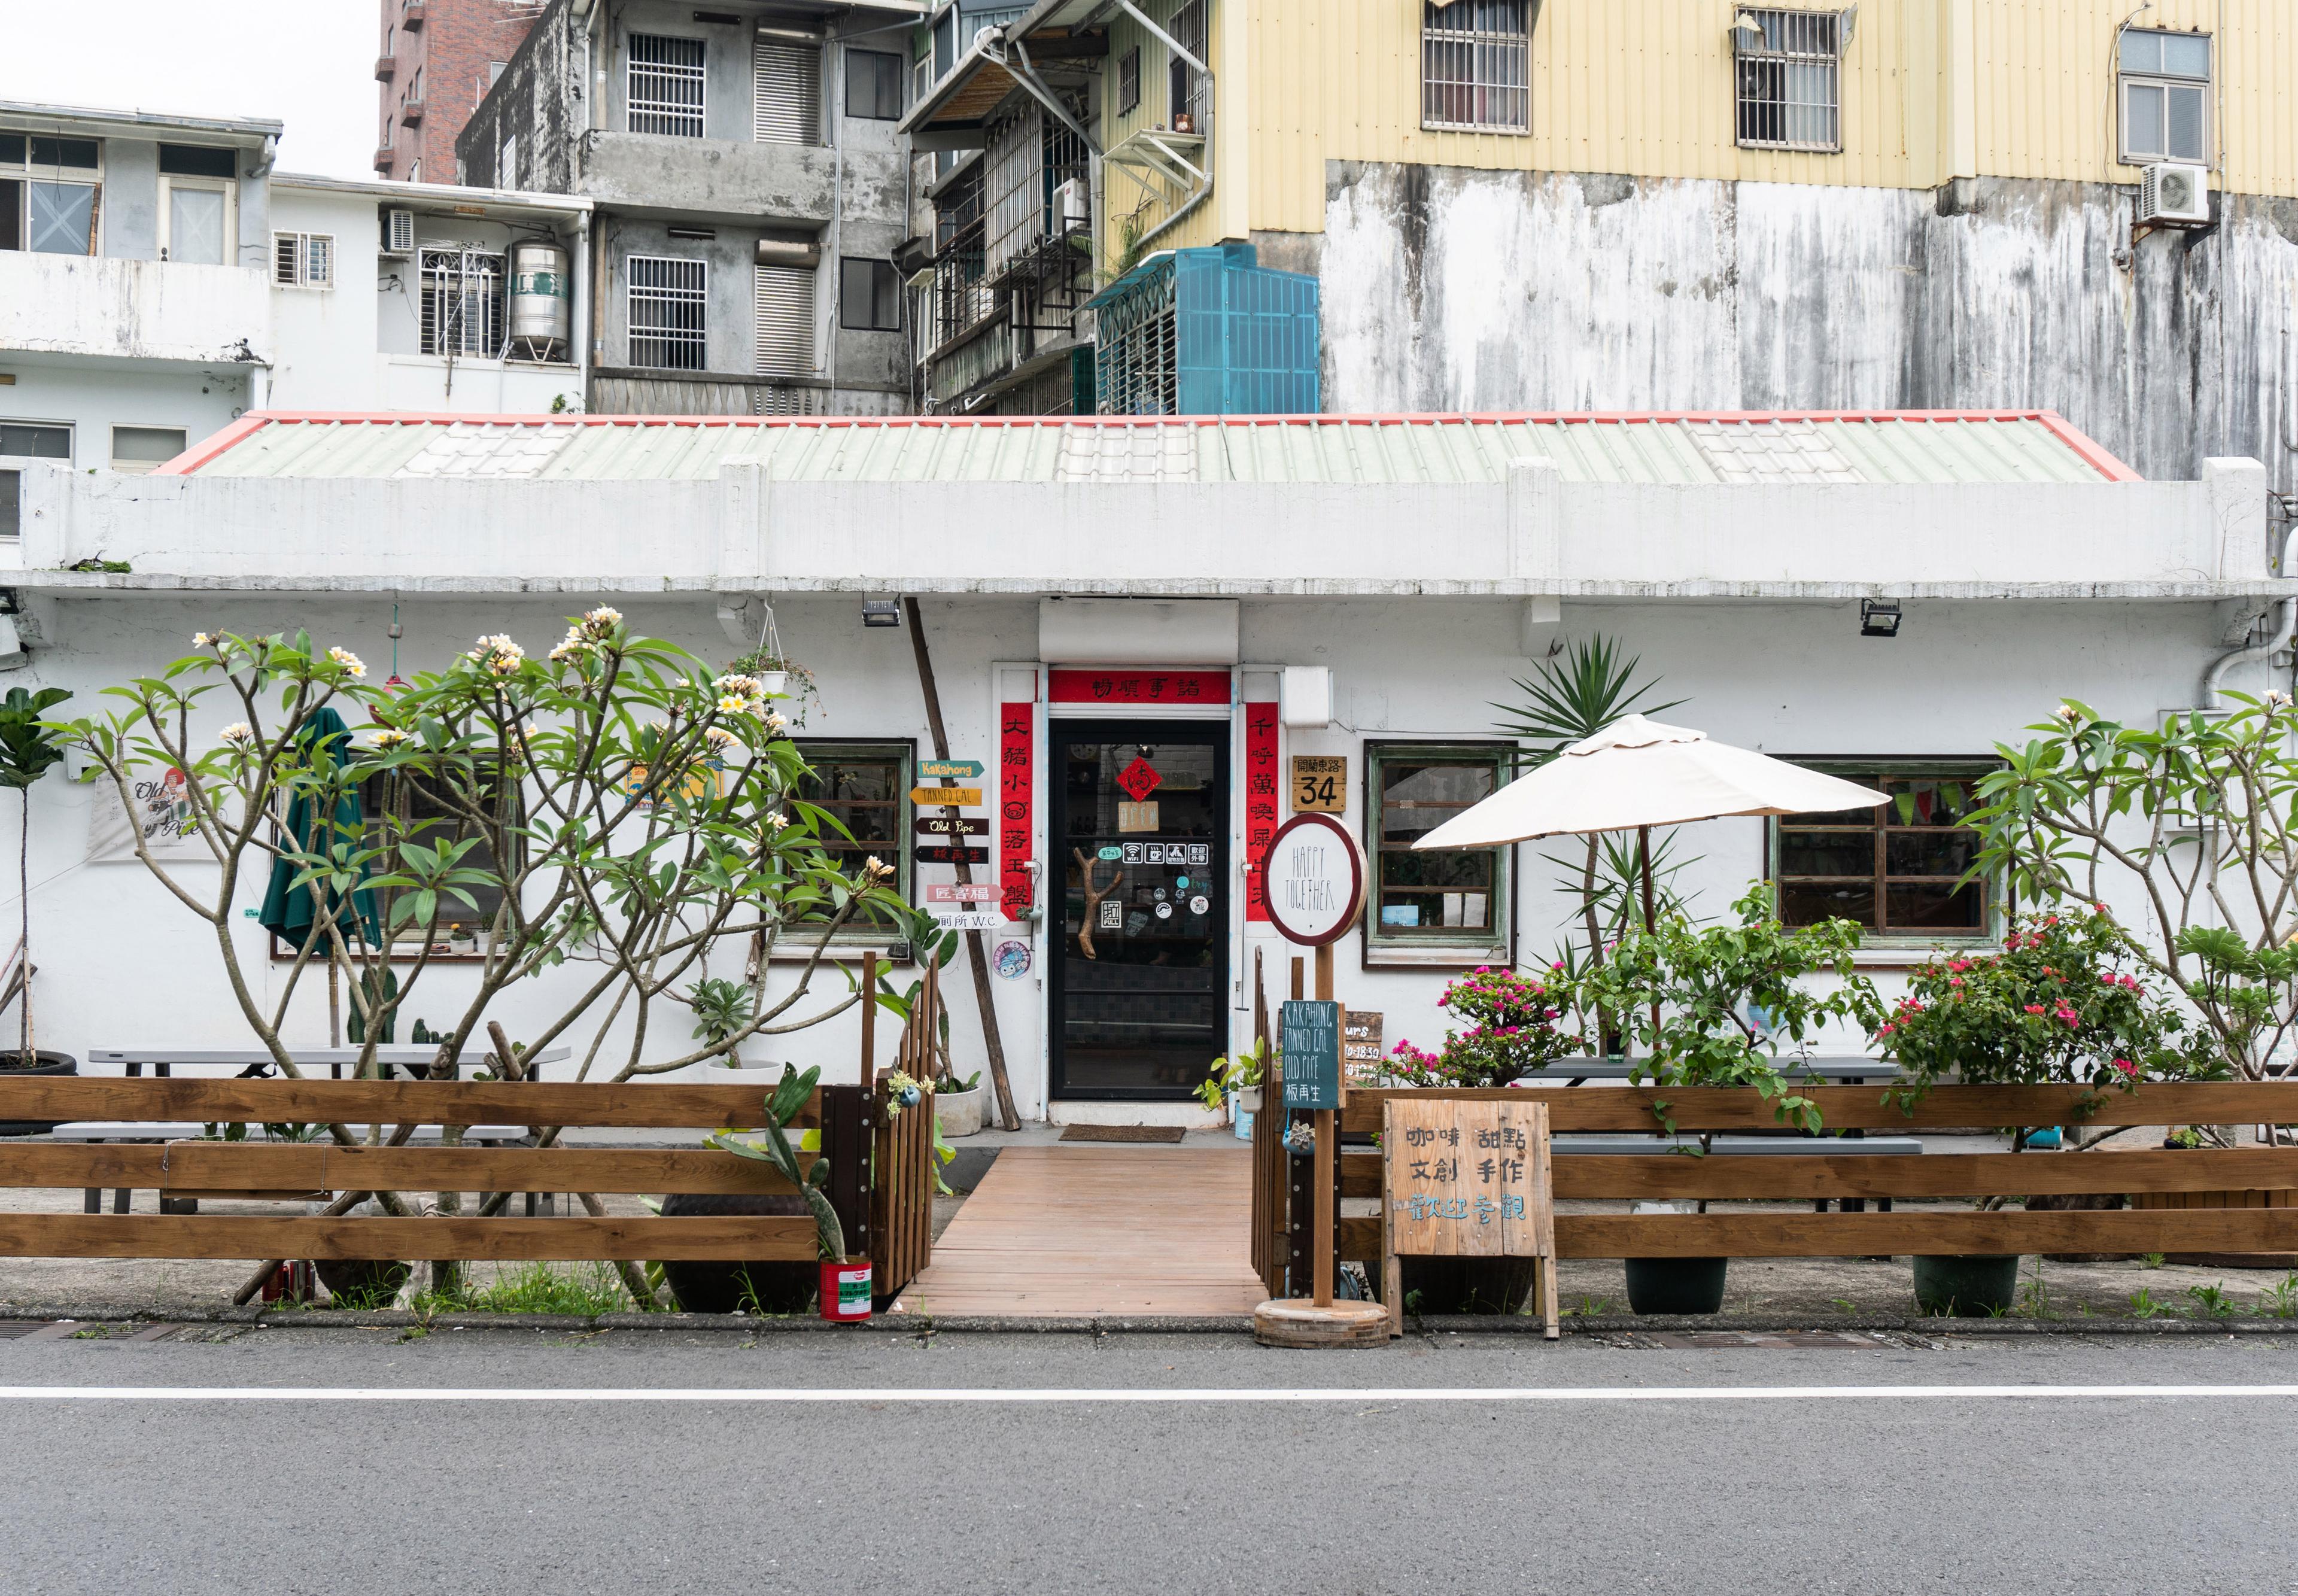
column 1436, row 946
column 796, row 944
column 1912, row 939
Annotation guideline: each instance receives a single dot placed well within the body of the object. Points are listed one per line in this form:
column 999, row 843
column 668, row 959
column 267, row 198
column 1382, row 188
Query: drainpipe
column 2285, row 630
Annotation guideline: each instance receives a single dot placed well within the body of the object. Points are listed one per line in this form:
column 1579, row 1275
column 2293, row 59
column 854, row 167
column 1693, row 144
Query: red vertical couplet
column 1015, row 829
column 1262, row 786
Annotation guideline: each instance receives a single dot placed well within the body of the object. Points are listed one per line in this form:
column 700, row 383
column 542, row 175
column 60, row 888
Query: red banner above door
column 1136, row 687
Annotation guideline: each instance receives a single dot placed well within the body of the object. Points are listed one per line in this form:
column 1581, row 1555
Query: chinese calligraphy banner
column 1260, row 783
column 1311, row 1040
column 1016, row 830
column 1468, row 1178
column 1138, row 687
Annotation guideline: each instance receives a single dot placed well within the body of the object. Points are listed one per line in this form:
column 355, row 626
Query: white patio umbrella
column 1638, row 773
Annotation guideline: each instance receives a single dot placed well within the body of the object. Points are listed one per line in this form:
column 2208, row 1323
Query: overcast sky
column 306, row 62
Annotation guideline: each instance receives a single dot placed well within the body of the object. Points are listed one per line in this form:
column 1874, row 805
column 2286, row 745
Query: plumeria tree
column 607, row 817
column 2197, row 822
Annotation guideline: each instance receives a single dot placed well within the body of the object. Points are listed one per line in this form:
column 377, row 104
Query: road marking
column 1197, row 1396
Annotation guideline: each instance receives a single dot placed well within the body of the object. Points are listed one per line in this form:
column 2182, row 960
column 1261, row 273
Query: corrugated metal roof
column 1719, row 448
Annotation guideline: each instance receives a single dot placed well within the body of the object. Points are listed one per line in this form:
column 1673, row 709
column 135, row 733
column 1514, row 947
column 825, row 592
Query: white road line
column 1197, row 1396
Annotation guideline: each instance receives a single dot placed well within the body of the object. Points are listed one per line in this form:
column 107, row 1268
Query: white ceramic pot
column 1248, row 1098
column 960, row 1114
column 776, row 684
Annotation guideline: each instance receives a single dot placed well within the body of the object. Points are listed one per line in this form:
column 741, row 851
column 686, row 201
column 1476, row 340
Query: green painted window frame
column 905, row 754
column 1436, row 946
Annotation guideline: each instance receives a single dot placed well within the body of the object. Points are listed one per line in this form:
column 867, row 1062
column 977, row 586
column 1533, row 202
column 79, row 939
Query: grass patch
column 578, row 1288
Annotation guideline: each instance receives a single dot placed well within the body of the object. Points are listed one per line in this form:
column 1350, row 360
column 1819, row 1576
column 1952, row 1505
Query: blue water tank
column 1208, row 332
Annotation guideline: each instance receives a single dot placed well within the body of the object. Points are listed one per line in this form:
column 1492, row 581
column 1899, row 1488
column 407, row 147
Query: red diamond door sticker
column 1140, row 779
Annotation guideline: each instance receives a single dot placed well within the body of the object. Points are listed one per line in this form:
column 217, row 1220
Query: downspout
column 2285, row 630
column 837, row 217
column 1213, row 118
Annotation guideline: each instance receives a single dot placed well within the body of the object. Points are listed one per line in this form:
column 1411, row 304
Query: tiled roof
column 1722, row 448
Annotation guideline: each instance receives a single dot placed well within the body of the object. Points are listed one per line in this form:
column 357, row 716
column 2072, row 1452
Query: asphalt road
column 646, row 1461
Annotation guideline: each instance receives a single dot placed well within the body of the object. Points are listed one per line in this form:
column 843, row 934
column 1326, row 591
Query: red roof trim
column 2089, row 450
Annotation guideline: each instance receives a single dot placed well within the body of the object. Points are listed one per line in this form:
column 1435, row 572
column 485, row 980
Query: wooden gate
column 902, row 1157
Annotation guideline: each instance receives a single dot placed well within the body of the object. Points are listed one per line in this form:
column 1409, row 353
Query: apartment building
column 1636, row 204
column 751, row 194
column 436, row 62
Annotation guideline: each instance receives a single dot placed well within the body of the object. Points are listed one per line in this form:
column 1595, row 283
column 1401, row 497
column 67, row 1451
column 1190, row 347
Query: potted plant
column 2063, row 1002
column 778, row 676
column 28, row 750
column 781, row 1280
column 1235, row 1080
column 1683, row 996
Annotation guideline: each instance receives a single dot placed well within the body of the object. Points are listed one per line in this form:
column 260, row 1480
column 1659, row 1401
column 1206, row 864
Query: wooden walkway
column 1057, row 1231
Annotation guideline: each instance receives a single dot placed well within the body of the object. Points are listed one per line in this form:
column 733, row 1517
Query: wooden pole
column 1327, row 1128
column 1643, row 855
column 869, row 1018
column 992, row 1041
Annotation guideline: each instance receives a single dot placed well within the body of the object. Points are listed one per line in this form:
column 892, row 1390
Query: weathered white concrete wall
column 134, row 310
column 93, row 396
column 1450, row 289
column 122, row 966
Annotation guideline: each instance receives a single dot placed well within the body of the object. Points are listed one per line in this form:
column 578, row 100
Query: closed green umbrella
column 289, row 909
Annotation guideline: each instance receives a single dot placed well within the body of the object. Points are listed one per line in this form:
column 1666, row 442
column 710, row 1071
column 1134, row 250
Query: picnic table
column 255, row 1064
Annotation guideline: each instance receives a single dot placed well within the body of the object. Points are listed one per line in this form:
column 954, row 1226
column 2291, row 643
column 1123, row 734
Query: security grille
column 1136, row 356
column 1475, row 66
column 785, row 91
column 1185, row 86
column 462, row 303
column 668, row 318
column 666, row 85
column 1791, row 83
column 303, row 260
column 785, row 322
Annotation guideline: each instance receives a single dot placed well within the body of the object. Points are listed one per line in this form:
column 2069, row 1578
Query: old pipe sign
column 1314, row 880
column 950, row 770
column 1312, row 1034
column 943, row 825
column 950, row 797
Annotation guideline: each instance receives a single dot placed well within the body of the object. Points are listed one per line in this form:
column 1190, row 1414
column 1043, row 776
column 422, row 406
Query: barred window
column 1475, row 65
column 303, row 260
column 1790, row 79
column 666, row 79
column 462, row 303
column 668, row 320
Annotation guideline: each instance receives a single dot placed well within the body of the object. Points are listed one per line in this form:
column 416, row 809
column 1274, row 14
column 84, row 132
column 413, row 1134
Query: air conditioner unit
column 2174, row 193
column 398, row 231
column 1073, row 205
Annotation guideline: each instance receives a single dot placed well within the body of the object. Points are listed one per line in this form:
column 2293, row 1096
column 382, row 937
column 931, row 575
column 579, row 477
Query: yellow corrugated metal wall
column 1931, row 89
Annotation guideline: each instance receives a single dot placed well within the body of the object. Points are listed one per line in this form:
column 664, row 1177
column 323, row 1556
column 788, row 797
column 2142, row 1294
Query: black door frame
column 1060, row 730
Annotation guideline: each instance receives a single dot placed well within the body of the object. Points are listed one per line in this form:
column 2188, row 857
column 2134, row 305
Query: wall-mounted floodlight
column 882, row 612
column 1877, row 619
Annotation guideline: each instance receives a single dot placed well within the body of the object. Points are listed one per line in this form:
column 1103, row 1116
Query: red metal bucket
column 846, row 1291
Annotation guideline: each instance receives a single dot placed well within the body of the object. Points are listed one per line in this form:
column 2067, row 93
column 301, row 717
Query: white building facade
column 1201, row 600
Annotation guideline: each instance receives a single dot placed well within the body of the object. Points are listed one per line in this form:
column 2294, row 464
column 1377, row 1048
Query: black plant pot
column 1676, row 1284
column 1966, row 1285
column 43, row 1064
column 1468, row 1285
column 362, row 1283
column 715, row 1287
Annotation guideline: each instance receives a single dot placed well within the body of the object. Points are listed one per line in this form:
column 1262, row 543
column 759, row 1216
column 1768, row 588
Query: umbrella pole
column 334, row 1003
column 1643, row 860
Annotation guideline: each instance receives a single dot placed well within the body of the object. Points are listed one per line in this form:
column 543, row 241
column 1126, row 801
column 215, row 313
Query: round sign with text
column 1313, row 880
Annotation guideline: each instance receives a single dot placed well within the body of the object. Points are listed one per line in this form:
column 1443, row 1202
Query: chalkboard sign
column 1312, row 1032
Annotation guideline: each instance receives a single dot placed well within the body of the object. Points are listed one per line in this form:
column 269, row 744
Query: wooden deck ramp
column 1077, row 1230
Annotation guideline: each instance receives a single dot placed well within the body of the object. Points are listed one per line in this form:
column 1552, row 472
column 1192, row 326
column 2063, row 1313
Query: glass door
column 1140, row 968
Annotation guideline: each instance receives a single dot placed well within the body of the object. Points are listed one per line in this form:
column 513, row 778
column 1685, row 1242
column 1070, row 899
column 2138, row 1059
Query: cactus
column 789, row 1095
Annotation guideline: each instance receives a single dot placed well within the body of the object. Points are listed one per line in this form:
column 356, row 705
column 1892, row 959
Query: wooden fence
column 2200, row 1200
column 902, row 1166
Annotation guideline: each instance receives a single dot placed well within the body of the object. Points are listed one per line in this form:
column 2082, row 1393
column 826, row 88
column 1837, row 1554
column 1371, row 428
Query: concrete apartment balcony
column 383, row 157
column 410, row 112
column 134, row 310
column 411, row 16
column 385, row 66
column 656, row 174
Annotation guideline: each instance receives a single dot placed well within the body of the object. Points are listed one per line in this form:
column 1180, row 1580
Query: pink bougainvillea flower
column 2126, row 1066
column 2034, row 1008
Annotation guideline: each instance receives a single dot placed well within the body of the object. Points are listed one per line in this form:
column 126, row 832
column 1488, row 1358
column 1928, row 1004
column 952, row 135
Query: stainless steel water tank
column 541, row 295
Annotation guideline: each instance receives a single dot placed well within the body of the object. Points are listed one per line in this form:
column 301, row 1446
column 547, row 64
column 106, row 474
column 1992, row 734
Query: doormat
column 1120, row 1133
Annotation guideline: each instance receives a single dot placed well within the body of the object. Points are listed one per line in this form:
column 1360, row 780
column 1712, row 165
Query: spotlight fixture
column 1877, row 619
column 882, row 612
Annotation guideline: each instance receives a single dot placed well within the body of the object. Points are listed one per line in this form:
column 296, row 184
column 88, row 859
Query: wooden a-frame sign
column 1467, row 1178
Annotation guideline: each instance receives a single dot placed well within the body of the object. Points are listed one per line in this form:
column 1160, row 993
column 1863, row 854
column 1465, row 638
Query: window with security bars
column 1137, row 355
column 462, row 305
column 666, row 85
column 1897, row 870
column 1185, row 86
column 668, row 313
column 866, row 788
column 303, row 260
column 1790, row 79
column 1475, row 65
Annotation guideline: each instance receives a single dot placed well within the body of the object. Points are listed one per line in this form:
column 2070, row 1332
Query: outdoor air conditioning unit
column 1073, row 205
column 398, row 231
column 2175, row 193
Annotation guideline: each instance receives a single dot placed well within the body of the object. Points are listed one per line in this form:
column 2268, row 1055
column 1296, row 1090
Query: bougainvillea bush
column 1513, row 1027
column 2067, row 1000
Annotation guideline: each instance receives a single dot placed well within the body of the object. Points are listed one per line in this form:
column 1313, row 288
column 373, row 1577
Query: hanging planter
column 779, row 676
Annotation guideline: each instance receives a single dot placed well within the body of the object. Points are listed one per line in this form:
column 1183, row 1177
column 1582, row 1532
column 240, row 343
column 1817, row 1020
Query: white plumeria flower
column 201, row 639
column 239, row 732
column 719, row 737
column 605, row 617
column 350, row 661
column 873, row 866
column 390, row 737
column 733, row 706
column 777, row 820
column 777, row 723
